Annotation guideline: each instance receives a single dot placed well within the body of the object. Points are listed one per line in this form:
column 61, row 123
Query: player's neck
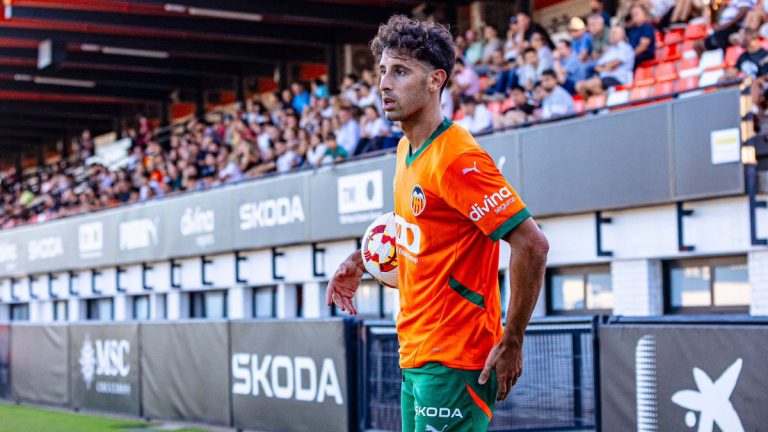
column 418, row 130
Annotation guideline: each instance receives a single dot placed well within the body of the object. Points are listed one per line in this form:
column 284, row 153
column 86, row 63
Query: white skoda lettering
column 272, row 212
column 498, row 201
column 439, row 412
column 197, row 221
column 284, row 377
column 45, row 248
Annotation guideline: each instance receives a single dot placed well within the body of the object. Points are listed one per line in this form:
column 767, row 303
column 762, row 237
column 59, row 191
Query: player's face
column 404, row 86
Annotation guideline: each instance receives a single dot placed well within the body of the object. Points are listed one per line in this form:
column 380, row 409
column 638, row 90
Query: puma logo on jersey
column 474, row 168
column 495, row 201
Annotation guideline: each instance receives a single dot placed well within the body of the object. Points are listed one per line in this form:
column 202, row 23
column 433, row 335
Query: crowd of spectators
column 534, row 72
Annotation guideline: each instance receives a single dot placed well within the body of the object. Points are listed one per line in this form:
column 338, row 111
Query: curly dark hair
column 426, row 41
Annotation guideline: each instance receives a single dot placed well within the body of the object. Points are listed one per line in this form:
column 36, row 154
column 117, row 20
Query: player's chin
column 393, row 115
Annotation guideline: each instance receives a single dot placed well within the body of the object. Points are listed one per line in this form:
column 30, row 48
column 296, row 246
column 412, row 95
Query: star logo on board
column 712, row 401
column 87, row 361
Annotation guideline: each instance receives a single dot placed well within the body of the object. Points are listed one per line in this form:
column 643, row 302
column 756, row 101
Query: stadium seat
column 673, row 37
column 508, row 104
column 639, row 93
column 711, row 60
column 687, row 83
column 670, row 53
column 710, row 77
column 458, row 115
column 732, row 55
column 688, row 67
column 578, row 104
column 617, row 97
column 695, row 32
column 494, row 107
column 664, row 88
column 666, row 72
column 689, row 46
column 595, row 102
column 644, row 76
column 659, row 38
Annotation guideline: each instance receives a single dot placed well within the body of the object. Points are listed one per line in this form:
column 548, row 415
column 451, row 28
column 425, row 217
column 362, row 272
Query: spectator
column 365, row 97
column 347, row 131
column 374, row 131
column 530, row 72
column 319, row 89
column 300, row 97
column 474, row 52
column 501, row 75
column 557, row 101
column 568, row 67
column 491, row 44
column 581, row 39
column 597, row 8
column 334, row 153
column 477, row 119
column 528, row 27
column 542, row 51
column 752, row 63
column 465, row 80
column 641, row 35
column 600, row 35
column 521, row 112
column 730, row 21
column 615, row 67
column 316, row 151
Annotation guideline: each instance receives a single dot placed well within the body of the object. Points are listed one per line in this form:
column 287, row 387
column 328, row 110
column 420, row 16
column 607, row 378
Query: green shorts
column 435, row 398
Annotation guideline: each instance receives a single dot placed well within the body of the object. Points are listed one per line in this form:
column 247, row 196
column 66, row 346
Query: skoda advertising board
column 678, row 378
column 104, row 367
column 271, row 212
column 290, row 376
column 49, row 247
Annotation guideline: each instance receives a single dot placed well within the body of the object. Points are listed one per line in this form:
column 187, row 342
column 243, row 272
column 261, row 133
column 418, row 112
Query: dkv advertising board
column 291, row 376
column 104, row 367
column 678, row 378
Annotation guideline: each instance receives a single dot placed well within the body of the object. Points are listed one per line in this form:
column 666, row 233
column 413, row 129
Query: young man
column 451, row 338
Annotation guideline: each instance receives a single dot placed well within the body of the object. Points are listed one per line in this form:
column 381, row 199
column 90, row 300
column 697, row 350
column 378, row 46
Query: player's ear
column 437, row 79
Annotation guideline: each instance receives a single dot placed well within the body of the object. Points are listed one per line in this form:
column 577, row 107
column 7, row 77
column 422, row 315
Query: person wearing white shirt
column 348, row 132
column 615, row 66
column 557, row 102
column 477, row 118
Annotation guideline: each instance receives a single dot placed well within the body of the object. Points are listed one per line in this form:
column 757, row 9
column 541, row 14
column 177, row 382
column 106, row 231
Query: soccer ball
column 379, row 250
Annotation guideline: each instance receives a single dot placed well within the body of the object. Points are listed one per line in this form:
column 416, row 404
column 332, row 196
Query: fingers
column 503, row 389
column 484, row 375
column 328, row 295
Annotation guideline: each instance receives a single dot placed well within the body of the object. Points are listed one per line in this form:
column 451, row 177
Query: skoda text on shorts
column 456, row 357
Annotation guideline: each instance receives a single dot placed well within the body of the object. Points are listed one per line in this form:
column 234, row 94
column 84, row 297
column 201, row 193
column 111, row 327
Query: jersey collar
column 440, row 129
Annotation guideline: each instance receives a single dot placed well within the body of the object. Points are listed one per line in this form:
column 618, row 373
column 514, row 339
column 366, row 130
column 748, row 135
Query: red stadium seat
column 732, row 54
column 689, row 66
column 639, row 93
column 695, row 32
column 688, row 83
column 670, row 53
column 689, row 45
column 578, row 104
column 666, row 72
column 644, row 76
column 664, row 88
column 659, row 38
column 673, row 37
column 596, row 102
column 508, row 103
column 458, row 115
column 494, row 107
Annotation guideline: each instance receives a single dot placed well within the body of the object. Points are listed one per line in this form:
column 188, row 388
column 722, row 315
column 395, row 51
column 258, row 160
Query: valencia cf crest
column 418, row 200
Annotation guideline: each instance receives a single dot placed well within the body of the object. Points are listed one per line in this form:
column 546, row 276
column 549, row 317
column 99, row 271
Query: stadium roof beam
column 63, row 110
column 81, row 88
column 241, row 52
column 295, row 12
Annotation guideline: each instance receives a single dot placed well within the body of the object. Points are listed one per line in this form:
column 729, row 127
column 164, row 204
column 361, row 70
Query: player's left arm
column 527, row 264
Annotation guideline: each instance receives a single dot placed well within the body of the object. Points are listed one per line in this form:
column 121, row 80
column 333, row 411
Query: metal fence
column 557, row 391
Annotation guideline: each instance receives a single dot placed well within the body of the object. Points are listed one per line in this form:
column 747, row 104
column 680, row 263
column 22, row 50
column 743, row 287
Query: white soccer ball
column 379, row 250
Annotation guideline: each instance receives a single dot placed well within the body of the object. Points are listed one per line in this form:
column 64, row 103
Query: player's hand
column 507, row 359
column 343, row 285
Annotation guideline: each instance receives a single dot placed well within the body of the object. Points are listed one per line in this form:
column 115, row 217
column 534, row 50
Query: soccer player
column 452, row 206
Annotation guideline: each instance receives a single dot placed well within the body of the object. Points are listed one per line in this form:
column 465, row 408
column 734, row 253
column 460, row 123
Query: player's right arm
column 344, row 283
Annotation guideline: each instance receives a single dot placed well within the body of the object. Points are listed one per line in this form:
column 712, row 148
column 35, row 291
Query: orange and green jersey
column 452, row 205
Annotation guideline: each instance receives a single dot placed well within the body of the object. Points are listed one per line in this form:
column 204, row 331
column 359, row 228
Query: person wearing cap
column 581, row 39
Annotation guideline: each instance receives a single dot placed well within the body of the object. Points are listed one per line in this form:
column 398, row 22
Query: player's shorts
column 435, row 398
